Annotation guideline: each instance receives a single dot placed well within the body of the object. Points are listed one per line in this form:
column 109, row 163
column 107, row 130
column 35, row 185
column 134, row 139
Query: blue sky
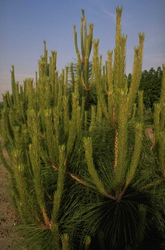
column 24, row 24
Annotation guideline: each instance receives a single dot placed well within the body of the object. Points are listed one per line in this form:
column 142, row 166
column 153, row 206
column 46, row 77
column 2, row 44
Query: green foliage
column 84, row 174
column 150, row 84
column 1, row 107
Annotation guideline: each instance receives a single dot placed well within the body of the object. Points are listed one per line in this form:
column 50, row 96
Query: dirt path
column 8, row 218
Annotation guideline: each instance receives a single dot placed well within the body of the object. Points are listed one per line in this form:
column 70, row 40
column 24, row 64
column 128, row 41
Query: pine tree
column 83, row 173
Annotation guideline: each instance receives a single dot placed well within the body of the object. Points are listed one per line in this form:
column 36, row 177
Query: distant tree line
column 1, row 105
column 151, row 85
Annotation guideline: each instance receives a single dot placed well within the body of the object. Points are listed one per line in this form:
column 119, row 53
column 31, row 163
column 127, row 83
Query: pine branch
column 150, row 185
column 92, row 170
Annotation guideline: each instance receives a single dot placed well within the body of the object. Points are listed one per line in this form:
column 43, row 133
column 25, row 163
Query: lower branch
column 84, row 182
column 155, row 183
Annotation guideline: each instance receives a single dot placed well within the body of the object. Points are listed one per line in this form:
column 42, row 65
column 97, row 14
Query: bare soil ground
column 8, row 218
